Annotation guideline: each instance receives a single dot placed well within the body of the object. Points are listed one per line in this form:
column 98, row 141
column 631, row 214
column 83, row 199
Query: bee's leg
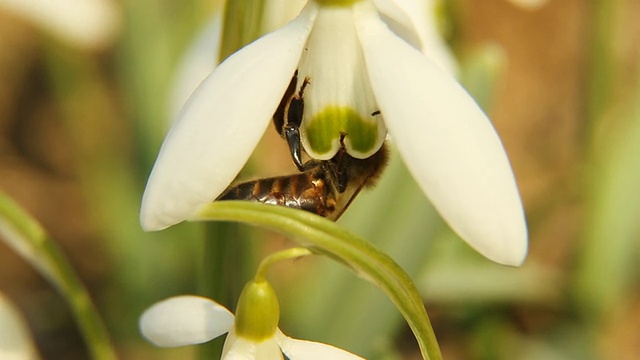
column 336, row 168
column 337, row 174
column 291, row 130
column 292, row 134
column 279, row 117
column 341, row 165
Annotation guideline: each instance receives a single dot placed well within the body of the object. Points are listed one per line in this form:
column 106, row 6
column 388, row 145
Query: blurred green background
column 80, row 127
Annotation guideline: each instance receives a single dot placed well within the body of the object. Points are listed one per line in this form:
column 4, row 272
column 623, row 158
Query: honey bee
column 323, row 187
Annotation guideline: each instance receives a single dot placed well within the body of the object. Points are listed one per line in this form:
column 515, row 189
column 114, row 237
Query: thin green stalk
column 30, row 240
column 325, row 237
column 603, row 69
column 226, row 247
column 226, row 252
column 242, row 24
column 272, row 259
column 606, row 266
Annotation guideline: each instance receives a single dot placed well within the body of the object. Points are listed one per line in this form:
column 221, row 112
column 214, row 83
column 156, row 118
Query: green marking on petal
column 362, row 135
column 327, row 125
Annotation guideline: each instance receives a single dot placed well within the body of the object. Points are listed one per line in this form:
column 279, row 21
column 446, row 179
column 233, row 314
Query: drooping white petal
column 198, row 62
column 221, row 124
column 239, row 348
column 185, row 320
column 296, row 349
column 447, row 142
column 16, row 342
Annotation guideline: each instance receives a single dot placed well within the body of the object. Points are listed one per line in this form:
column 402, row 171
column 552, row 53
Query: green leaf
column 22, row 233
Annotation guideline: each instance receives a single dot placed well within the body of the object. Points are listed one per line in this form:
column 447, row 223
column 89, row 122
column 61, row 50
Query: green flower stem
column 325, row 237
column 606, row 268
column 224, row 247
column 242, row 24
column 226, row 253
column 29, row 239
column 603, row 68
column 267, row 262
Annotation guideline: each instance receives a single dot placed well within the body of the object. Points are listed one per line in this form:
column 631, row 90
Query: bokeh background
column 81, row 120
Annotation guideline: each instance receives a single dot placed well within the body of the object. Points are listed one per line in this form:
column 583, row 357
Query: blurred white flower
column 421, row 14
column 200, row 59
column 367, row 74
column 189, row 320
column 90, row 24
column 15, row 340
column 529, row 4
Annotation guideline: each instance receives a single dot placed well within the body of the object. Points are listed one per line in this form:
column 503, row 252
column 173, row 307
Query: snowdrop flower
column 367, row 75
column 253, row 333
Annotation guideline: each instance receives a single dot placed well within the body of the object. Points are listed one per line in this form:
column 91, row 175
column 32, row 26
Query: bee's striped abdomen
column 306, row 191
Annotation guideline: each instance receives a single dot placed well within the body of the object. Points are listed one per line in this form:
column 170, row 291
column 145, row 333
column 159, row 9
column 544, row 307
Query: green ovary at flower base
column 362, row 57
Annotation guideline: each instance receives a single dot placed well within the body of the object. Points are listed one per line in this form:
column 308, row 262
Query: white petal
column 448, row 144
column 221, row 124
column 198, row 62
column 238, row 348
column 185, row 320
column 83, row 23
column 296, row 349
column 334, row 63
column 16, row 342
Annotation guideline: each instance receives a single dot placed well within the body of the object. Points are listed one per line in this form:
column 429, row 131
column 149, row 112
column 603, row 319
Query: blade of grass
column 22, row 233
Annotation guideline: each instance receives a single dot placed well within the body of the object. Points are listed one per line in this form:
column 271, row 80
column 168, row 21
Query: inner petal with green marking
column 360, row 135
column 338, row 102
